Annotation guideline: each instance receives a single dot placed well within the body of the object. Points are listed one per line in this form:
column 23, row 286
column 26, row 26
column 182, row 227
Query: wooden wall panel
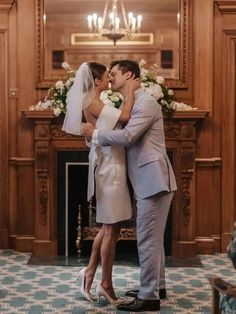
column 4, row 205
column 3, row 143
column 24, row 151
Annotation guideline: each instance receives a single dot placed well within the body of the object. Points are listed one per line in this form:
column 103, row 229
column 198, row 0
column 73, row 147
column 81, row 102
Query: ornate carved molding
column 39, row 40
column 172, row 129
column 89, row 233
column 43, row 196
column 6, row 5
column 21, row 161
column 208, row 162
column 55, row 131
column 184, row 47
column 227, row 7
column 186, row 178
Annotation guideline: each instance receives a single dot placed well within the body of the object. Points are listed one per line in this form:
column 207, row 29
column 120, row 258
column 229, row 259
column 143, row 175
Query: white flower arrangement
column 56, row 97
column 153, row 83
column 150, row 81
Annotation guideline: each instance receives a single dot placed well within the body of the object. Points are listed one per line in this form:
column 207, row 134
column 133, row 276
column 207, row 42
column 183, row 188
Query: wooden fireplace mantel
column 48, row 114
column 181, row 136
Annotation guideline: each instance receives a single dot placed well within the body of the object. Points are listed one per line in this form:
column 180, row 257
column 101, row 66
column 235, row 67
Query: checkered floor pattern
column 52, row 289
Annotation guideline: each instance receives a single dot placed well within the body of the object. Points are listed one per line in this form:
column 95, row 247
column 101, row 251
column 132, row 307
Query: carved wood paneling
column 3, row 144
column 4, row 221
column 6, row 5
column 225, row 98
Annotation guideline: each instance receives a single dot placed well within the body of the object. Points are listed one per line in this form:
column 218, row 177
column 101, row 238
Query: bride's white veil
column 78, row 98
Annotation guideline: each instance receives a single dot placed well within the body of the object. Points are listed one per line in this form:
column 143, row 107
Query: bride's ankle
column 88, row 280
column 109, row 290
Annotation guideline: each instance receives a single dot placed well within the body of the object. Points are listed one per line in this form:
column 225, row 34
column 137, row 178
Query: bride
column 107, row 165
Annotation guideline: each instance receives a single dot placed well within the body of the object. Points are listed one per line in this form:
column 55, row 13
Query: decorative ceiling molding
column 6, row 5
column 226, row 6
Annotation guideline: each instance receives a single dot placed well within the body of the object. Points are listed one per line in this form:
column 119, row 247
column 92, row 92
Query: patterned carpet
column 51, row 289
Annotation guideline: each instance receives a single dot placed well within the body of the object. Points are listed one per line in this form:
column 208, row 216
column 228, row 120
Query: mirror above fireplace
column 63, row 35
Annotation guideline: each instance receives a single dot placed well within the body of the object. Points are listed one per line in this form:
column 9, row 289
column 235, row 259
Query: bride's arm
column 127, row 105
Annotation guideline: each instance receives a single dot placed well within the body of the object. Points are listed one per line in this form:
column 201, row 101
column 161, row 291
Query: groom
column 153, row 181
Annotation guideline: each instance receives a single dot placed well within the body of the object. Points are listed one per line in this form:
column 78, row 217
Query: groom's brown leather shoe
column 133, row 293
column 140, row 305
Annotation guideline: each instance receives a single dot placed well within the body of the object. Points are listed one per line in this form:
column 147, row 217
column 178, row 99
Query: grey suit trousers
column 152, row 213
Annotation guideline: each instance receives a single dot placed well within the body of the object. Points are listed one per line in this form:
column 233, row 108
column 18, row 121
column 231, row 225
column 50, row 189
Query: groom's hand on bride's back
column 86, row 129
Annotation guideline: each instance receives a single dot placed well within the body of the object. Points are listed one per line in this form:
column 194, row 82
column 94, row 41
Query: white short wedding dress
column 108, row 165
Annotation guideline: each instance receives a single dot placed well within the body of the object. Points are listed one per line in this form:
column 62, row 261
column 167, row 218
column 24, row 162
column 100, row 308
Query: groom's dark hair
column 127, row 65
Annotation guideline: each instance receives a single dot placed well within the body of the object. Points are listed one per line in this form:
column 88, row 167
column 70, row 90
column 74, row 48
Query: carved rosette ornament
column 127, row 234
column 172, row 130
column 55, row 131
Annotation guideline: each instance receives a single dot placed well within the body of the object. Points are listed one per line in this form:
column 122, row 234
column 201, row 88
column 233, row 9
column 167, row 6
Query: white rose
column 142, row 63
column 32, row 107
column 65, row 65
column 57, row 111
column 142, row 84
column 160, row 79
column 171, row 92
column 156, row 91
column 46, row 104
column 68, row 83
column 143, row 73
column 59, row 84
column 180, row 106
column 116, row 98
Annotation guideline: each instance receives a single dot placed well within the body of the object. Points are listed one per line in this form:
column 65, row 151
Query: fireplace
column 72, row 180
column 50, row 142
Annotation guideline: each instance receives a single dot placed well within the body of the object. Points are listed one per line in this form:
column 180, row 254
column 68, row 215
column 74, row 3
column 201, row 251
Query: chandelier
column 114, row 25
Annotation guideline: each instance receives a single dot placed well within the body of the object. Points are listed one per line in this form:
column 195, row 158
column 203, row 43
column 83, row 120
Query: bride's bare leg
column 94, row 259
column 108, row 249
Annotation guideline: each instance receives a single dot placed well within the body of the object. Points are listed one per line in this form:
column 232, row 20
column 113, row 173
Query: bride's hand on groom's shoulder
column 86, row 129
column 133, row 84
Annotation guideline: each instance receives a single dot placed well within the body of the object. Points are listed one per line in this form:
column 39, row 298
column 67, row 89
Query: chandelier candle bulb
column 90, row 19
column 139, row 19
column 100, row 24
column 130, row 17
column 119, row 24
column 133, row 24
column 95, row 20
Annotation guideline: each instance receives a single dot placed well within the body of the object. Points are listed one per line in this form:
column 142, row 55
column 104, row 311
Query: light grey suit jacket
column 149, row 168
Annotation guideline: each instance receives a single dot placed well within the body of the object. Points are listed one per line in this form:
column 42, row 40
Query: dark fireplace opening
column 72, row 167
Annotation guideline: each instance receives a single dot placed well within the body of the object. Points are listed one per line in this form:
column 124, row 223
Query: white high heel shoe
column 87, row 295
column 102, row 293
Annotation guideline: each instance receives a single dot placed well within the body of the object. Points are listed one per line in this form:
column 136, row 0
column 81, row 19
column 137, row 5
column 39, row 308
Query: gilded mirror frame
column 184, row 49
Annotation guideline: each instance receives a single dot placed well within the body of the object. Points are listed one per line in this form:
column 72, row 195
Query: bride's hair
column 80, row 94
column 97, row 69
